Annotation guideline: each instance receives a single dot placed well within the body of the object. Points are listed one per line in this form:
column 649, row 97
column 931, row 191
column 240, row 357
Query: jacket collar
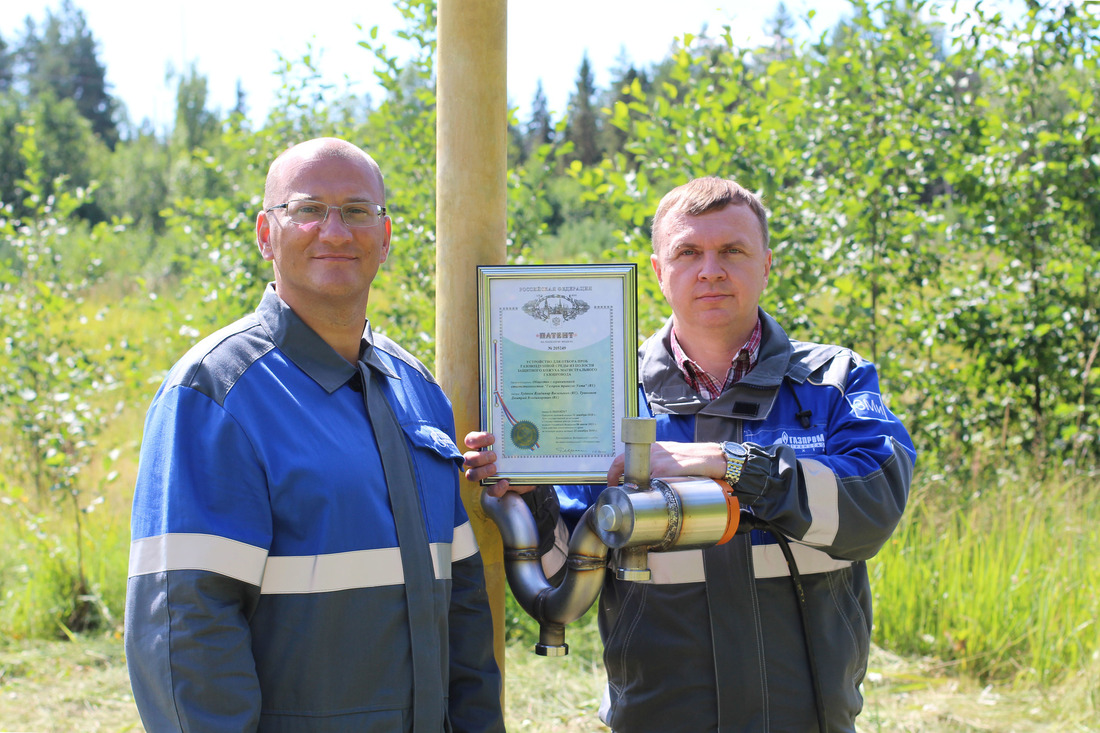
column 751, row 398
column 309, row 352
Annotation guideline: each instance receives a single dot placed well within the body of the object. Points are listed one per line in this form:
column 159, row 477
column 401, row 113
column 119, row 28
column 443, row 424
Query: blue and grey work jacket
column 266, row 585
column 714, row 641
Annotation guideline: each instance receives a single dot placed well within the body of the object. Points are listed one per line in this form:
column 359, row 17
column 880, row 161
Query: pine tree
column 7, row 66
column 195, row 124
column 540, row 128
column 612, row 139
column 583, row 128
column 241, row 106
column 63, row 61
column 780, row 30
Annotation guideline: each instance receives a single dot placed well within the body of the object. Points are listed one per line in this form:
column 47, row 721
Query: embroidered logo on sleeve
column 867, row 405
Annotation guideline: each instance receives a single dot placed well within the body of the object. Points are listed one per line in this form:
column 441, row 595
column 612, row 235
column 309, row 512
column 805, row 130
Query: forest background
column 934, row 205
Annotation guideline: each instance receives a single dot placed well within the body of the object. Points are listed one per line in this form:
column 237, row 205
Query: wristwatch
column 736, row 455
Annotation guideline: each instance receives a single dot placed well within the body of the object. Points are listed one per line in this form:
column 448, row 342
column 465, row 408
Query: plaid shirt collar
column 706, row 385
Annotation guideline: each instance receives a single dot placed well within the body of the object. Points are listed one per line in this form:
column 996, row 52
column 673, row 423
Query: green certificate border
column 558, row 355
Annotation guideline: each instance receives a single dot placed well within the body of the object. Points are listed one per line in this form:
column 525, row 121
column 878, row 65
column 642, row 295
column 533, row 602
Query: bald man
column 301, row 559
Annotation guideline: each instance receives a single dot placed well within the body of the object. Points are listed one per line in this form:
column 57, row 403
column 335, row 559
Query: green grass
column 40, row 592
column 1006, row 585
column 559, row 694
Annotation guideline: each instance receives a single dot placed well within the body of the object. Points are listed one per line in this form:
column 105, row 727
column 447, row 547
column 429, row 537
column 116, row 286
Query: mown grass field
column 81, row 685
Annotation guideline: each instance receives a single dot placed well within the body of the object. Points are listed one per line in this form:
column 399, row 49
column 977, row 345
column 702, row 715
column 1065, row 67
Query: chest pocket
column 434, row 440
column 436, row 460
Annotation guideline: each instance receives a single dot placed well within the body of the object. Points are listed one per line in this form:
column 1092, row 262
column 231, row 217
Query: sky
column 229, row 41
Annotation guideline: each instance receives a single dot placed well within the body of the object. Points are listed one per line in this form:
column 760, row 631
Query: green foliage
column 68, row 152
column 195, row 124
column 1028, row 184
column 52, row 387
column 1003, row 586
column 62, row 62
column 401, row 137
column 135, row 186
column 920, row 215
column 43, row 592
column 7, row 64
column 540, row 127
column 582, row 128
column 934, row 204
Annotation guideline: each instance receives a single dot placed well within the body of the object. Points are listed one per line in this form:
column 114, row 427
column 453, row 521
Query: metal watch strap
column 735, row 454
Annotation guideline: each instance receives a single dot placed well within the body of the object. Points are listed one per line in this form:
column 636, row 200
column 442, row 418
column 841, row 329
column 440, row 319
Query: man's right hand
column 667, row 458
column 479, row 462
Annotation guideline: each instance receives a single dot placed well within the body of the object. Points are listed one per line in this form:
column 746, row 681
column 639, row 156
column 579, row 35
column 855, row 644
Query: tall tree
column 240, row 107
column 63, row 60
column 780, row 31
column 197, row 128
column 68, row 155
column 540, row 128
column 627, row 84
column 12, row 165
column 583, row 127
column 7, row 66
column 195, row 124
column 136, row 185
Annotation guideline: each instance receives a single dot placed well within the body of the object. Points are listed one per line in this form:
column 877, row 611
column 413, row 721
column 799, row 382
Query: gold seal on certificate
column 558, row 350
column 525, row 434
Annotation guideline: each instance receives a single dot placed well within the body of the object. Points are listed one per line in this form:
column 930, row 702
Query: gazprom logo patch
column 803, row 442
column 867, row 405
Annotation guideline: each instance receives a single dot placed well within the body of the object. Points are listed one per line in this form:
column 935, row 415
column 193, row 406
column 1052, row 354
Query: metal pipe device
column 640, row 516
column 646, row 515
column 553, row 607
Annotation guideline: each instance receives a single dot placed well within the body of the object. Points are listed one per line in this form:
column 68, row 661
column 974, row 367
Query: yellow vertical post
column 471, row 225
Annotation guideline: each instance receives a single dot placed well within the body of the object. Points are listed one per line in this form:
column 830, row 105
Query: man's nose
column 710, row 268
column 333, row 228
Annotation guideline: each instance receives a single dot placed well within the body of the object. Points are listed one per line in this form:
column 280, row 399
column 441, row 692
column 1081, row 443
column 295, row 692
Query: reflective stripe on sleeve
column 464, row 543
column 768, row 561
column 821, row 491
column 280, row 574
column 220, row 555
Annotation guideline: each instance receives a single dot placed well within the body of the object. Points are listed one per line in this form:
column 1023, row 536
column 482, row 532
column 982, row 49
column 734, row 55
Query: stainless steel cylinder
column 680, row 513
column 638, row 434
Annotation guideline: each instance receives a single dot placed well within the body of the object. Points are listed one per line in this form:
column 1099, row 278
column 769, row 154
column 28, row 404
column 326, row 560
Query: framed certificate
column 559, row 368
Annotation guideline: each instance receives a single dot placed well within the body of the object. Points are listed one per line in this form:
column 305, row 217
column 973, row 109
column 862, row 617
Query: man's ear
column 655, row 262
column 263, row 236
column 386, row 241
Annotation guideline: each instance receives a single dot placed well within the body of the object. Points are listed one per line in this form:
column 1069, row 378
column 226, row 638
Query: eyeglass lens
column 355, row 214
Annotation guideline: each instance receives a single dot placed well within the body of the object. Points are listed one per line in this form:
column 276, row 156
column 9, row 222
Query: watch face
column 735, row 450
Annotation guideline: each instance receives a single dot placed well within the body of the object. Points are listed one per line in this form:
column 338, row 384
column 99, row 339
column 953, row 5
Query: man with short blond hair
column 716, row 641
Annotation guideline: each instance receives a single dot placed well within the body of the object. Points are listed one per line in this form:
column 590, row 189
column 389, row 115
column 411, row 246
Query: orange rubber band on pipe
column 733, row 513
